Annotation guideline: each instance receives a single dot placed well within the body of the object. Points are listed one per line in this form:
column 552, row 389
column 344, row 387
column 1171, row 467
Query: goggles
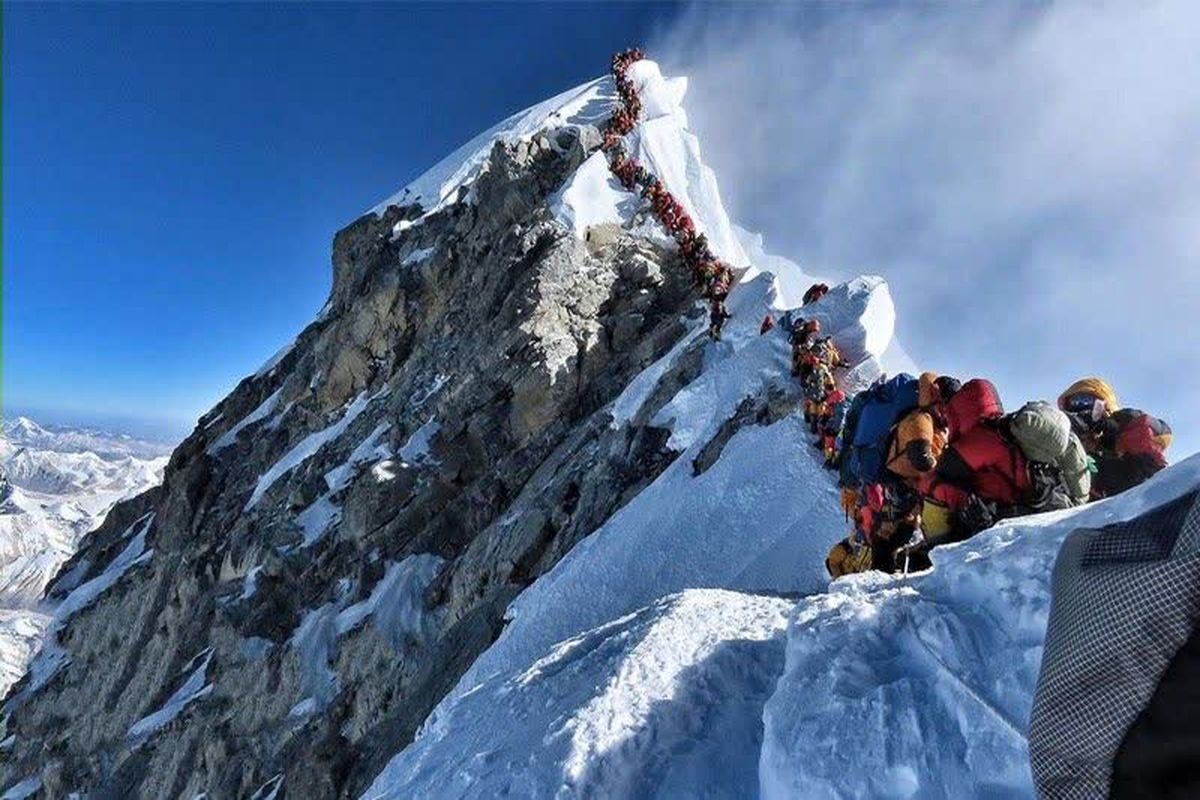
column 1082, row 403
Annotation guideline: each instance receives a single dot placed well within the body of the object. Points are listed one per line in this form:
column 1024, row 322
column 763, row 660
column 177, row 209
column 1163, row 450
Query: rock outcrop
column 511, row 354
column 340, row 537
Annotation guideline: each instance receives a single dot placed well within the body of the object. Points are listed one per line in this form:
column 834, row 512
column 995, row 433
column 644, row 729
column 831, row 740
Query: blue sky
column 1026, row 176
column 174, row 174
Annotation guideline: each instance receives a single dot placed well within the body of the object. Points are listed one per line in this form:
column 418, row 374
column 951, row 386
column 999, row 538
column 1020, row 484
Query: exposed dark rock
column 460, row 374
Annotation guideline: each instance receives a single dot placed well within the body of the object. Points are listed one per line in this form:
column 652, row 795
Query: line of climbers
column 927, row 461
column 713, row 276
column 815, row 359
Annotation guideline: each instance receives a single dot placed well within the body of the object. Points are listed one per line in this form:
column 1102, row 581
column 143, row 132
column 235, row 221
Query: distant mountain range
column 21, row 431
column 59, row 483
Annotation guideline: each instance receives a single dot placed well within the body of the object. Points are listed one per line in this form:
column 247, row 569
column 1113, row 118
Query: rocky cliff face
column 511, row 363
column 339, row 538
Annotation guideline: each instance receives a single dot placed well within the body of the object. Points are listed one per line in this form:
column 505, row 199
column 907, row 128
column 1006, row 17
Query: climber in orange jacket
column 1128, row 445
column 818, row 385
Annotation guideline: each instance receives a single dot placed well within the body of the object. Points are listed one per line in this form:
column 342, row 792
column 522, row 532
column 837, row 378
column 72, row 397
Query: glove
column 976, row 516
column 849, row 502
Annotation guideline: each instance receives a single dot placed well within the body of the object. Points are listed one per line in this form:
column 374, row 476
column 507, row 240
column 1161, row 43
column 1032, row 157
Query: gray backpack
column 1043, row 432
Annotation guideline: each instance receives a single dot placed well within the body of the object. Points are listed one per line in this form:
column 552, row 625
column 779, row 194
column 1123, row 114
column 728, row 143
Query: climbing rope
column 713, row 276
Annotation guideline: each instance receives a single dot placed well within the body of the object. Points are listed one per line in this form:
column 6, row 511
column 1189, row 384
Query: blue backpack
column 883, row 407
column 847, row 472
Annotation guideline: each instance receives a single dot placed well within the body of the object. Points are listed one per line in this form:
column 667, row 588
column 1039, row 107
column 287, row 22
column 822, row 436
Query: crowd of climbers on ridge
column 921, row 461
column 928, row 460
column 713, row 276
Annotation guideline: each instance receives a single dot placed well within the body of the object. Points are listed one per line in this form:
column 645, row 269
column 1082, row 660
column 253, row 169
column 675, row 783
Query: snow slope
column 651, row 660
column 879, row 687
column 931, row 678
column 663, row 701
column 438, row 186
column 624, row 668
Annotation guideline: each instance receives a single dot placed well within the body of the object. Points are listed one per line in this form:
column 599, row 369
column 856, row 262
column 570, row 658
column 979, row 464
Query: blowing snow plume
column 1027, row 176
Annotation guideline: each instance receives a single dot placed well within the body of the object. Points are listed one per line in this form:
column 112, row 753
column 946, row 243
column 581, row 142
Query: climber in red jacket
column 977, row 472
column 815, row 293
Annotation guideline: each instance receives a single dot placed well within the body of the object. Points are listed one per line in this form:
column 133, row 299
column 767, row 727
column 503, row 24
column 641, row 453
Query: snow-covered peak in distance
column 64, row 481
column 21, row 431
column 23, row 426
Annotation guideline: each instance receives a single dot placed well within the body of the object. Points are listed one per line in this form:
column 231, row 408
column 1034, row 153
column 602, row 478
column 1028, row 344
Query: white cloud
column 1027, row 178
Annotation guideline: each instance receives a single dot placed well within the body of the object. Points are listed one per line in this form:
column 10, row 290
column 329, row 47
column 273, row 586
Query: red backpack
column 976, row 400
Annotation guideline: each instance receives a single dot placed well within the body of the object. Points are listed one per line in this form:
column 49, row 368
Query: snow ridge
column 651, row 661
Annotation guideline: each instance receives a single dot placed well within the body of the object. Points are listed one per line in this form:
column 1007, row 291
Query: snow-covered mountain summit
column 504, row 520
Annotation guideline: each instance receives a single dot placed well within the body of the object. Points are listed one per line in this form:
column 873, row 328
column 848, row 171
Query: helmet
column 1095, row 388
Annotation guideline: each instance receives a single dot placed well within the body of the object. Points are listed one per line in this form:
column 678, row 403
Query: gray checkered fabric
column 1125, row 599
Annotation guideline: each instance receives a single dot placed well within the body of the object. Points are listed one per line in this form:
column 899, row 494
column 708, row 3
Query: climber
column 723, row 281
column 818, row 385
column 849, row 556
column 869, row 423
column 960, row 496
column 824, row 351
column 885, row 509
column 976, row 400
column 831, row 424
column 717, row 315
column 1059, row 467
column 885, row 522
column 1127, row 445
column 815, row 293
column 979, row 478
column 891, row 506
column 802, row 331
column 768, row 324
